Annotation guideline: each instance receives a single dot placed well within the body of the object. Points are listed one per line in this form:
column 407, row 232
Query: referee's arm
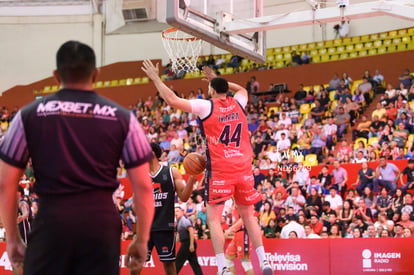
column 143, row 200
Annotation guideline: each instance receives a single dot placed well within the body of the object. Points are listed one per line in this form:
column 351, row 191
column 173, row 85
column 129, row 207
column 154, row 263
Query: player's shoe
column 225, row 271
column 266, row 268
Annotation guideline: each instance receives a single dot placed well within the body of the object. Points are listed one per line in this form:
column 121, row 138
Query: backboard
column 205, row 19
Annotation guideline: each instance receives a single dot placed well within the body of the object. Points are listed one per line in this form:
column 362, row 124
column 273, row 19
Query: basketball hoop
column 183, row 49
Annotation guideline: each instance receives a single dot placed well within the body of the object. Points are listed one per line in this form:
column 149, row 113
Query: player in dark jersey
column 229, row 156
column 75, row 139
column 166, row 181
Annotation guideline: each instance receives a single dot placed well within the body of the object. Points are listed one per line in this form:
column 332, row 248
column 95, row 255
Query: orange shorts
column 240, row 246
column 241, row 188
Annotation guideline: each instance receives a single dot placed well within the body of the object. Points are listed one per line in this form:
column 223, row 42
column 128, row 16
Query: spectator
column 371, row 232
column 346, row 215
column 313, row 202
column 387, row 176
column 378, row 78
column 266, row 214
column 370, row 200
column 384, row 202
column 356, row 233
column 318, row 112
column 341, row 178
column 295, row 200
column 400, row 136
column 300, row 95
column 314, row 184
column 344, row 150
column 259, row 177
column 318, row 142
column 408, row 232
column 202, row 214
column 362, row 129
column 365, row 178
column 376, row 126
column 316, row 225
column 330, row 129
column 325, row 179
column 409, row 172
column 365, row 87
column 310, row 234
column 306, row 57
column 363, row 212
column 359, row 158
column 406, row 79
column 292, row 226
column 398, row 231
column 334, row 83
column 301, row 176
column 220, row 62
column 405, row 221
column 342, row 121
column 334, row 200
column 334, row 231
column 271, row 231
column 296, row 59
column 408, row 205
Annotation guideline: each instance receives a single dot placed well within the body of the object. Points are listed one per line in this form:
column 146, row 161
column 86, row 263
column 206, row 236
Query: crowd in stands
column 285, row 130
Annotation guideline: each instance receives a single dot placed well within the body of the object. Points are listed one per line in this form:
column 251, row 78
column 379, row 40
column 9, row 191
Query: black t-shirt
column 164, row 195
column 75, row 140
column 326, row 181
column 410, row 174
column 377, row 125
column 362, row 175
column 299, row 95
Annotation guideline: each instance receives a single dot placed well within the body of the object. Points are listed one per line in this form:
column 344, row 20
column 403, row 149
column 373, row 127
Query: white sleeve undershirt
column 202, row 107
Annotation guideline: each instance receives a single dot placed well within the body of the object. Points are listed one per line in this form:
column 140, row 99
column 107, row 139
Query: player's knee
column 247, row 265
column 229, row 263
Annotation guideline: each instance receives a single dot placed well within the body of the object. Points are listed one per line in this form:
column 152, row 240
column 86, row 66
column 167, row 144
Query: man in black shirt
column 75, row 139
column 409, row 171
column 166, row 181
column 376, row 127
column 318, row 112
column 300, row 95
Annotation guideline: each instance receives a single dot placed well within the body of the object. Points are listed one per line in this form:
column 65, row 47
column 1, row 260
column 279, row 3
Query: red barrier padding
column 300, row 256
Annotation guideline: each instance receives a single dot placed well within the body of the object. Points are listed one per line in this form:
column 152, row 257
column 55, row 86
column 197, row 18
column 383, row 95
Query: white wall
column 28, row 44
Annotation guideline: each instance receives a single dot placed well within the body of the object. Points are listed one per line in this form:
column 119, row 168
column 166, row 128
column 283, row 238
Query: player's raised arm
column 184, row 190
column 166, row 93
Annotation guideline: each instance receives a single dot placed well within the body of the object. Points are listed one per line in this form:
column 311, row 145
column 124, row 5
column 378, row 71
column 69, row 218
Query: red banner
column 311, row 256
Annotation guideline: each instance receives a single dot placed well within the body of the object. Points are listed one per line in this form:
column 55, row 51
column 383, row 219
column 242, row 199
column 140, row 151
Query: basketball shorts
column 164, row 242
column 75, row 234
column 240, row 246
column 241, row 188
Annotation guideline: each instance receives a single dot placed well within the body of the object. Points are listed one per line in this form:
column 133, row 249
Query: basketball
column 194, row 164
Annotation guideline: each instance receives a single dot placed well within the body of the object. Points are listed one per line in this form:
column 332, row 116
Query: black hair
column 410, row 161
column 75, row 62
column 156, row 149
column 220, row 85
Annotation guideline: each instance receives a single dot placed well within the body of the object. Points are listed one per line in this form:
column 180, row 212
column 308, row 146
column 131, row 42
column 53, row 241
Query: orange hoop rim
column 171, row 30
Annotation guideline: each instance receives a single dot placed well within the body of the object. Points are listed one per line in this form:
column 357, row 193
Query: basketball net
column 183, row 49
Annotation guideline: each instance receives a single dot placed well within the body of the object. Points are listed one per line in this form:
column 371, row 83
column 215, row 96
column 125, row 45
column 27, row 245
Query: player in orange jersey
column 229, row 156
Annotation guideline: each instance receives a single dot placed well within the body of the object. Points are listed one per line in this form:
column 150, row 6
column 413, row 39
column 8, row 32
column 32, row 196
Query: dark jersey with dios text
column 164, row 195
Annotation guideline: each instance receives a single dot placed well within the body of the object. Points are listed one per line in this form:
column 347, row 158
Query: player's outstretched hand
column 16, row 251
column 136, row 256
column 209, row 74
column 151, row 70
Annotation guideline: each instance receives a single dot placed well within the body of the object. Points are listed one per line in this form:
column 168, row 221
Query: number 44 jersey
column 229, row 151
